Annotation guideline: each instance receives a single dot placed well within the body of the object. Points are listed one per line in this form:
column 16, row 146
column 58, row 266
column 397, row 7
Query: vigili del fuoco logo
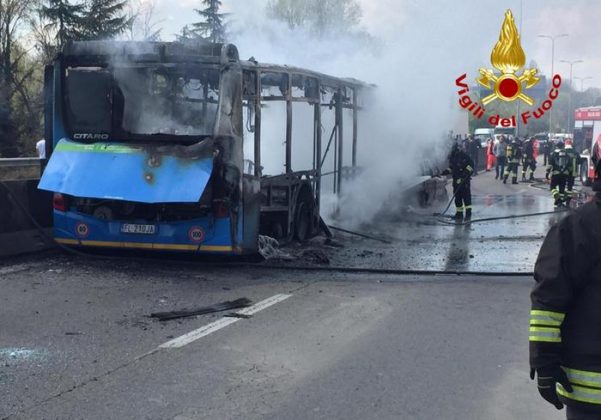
column 510, row 83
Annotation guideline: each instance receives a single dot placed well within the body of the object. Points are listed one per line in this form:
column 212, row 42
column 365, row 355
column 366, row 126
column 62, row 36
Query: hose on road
column 515, row 216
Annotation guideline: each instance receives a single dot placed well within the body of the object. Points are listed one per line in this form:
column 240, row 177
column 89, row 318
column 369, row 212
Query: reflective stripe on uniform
column 545, row 334
column 582, row 394
column 548, row 318
column 467, row 207
column 583, row 377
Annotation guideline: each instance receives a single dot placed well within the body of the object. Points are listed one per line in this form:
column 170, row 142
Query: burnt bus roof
column 153, row 52
column 324, row 78
column 104, row 52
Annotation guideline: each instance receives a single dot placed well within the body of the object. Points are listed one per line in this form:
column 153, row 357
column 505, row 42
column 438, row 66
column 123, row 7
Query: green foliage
column 104, row 19
column 212, row 26
column 65, row 19
column 15, row 77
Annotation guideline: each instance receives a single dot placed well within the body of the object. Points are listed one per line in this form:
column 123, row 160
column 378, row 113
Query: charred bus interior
column 290, row 206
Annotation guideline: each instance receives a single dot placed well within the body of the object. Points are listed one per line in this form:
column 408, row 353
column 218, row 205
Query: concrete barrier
column 18, row 233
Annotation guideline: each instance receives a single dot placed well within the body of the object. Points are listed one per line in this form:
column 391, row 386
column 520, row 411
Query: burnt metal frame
column 339, row 87
column 292, row 180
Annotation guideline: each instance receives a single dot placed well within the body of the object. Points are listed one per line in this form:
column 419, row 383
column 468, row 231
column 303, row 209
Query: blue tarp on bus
column 122, row 172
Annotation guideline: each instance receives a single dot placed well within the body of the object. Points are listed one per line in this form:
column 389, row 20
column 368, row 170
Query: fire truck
column 587, row 131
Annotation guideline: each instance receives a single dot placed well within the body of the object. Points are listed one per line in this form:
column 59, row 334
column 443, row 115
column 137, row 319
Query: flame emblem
column 508, row 58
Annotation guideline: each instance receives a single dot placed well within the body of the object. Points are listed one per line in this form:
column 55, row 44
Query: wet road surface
column 422, row 241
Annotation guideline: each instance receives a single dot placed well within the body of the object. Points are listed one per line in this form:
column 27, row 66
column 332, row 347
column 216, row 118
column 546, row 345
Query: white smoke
column 414, row 64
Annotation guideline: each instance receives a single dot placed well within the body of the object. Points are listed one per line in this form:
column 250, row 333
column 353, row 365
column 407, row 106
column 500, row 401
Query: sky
column 479, row 20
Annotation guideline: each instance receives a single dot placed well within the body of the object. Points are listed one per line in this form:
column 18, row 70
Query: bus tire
column 302, row 221
column 584, row 175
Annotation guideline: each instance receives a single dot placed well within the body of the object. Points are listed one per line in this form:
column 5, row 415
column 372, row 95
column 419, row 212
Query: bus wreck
column 145, row 146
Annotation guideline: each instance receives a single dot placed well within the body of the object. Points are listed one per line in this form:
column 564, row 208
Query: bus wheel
column 302, row 222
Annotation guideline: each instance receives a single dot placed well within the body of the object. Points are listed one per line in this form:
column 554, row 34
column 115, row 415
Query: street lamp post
column 570, row 110
column 552, row 38
column 582, row 80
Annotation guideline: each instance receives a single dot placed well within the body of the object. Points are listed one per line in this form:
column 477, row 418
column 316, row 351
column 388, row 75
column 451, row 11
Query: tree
column 65, row 19
column 292, row 12
column 319, row 16
column 212, row 28
column 334, row 15
column 143, row 25
column 105, row 19
column 13, row 15
column 186, row 34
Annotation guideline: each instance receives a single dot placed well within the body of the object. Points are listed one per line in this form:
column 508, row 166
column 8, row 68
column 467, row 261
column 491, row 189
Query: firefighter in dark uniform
column 559, row 172
column 529, row 162
column 574, row 166
column 565, row 318
column 514, row 155
column 461, row 167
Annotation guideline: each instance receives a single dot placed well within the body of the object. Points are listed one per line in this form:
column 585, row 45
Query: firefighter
column 529, row 159
column 574, row 165
column 513, row 158
column 559, row 172
column 565, row 338
column 461, row 167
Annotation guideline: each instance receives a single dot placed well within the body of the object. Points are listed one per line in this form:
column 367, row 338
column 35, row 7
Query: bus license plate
column 139, row 229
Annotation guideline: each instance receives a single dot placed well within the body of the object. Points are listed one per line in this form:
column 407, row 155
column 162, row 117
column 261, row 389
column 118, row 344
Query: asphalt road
column 76, row 341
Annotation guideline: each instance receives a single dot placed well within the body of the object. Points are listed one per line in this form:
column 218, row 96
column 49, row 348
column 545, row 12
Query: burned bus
column 145, row 145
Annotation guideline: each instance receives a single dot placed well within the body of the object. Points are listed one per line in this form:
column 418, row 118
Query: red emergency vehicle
column 587, row 132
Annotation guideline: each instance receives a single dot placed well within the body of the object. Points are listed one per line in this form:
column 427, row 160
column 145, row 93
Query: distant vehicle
column 483, row 134
column 510, row 132
column 560, row 137
column 542, row 138
column 587, row 130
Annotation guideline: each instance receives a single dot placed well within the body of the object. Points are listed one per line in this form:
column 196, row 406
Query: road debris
column 219, row 307
column 269, row 248
column 315, row 256
column 237, row 315
column 362, row 235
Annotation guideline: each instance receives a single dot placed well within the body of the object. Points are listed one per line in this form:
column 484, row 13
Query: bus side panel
column 252, row 213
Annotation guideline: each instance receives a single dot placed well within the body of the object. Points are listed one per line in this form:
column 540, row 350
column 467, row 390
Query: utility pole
column 552, row 38
column 570, row 109
column 517, row 128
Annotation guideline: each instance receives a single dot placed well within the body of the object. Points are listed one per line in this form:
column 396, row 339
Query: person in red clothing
column 490, row 155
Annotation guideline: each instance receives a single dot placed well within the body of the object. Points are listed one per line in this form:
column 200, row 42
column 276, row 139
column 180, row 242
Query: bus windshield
column 130, row 102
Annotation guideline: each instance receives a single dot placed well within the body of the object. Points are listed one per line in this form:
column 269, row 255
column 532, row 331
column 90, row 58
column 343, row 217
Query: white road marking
column 222, row 323
column 264, row 304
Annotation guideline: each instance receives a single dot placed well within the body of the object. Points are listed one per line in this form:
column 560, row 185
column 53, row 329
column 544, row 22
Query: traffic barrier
column 20, row 202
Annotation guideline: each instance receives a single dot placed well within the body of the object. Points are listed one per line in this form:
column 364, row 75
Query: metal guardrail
column 19, row 163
